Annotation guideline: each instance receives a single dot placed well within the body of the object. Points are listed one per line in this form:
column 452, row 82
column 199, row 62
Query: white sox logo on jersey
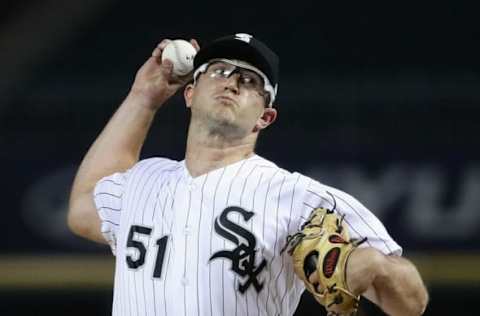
column 243, row 256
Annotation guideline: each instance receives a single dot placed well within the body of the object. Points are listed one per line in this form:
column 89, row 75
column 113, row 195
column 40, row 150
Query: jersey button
column 186, row 230
column 184, row 281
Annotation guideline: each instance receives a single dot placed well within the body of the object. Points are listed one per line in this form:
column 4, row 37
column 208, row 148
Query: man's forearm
column 116, row 149
column 398, row 287
column 118, row 146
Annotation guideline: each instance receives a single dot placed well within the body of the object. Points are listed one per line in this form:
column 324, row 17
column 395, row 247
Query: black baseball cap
column 242, row 47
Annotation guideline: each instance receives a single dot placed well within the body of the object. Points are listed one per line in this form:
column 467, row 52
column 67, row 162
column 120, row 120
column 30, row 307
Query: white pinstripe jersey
column 211, row 245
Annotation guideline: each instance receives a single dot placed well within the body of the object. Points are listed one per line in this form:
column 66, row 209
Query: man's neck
column 204, row 154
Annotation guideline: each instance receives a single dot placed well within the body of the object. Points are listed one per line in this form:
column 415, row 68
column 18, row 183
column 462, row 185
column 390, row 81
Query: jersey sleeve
column 360, row 221
column 108, row 195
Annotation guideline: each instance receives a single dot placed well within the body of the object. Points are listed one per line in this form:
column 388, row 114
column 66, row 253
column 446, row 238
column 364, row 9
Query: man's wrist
column 143, row 100
column 364, row 266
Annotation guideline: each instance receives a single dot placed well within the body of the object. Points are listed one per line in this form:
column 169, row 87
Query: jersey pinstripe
column 211, row 245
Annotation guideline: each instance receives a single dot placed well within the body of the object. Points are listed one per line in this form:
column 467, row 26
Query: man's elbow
column 420, row 302
column 83, row 221
column 416, row 300
column 76, row 223
column 408, row 294
column 419, row 292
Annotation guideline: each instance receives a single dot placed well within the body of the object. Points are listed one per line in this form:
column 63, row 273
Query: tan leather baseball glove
column 323, row 247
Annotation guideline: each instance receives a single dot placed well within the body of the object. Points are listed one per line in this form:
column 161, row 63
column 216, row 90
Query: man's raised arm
column 118, row 146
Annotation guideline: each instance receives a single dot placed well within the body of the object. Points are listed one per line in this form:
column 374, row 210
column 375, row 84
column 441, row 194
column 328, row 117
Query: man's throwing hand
column 155, row 82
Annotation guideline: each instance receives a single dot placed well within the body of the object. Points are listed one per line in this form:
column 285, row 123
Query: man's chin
column 224, row 114
column 224, row 125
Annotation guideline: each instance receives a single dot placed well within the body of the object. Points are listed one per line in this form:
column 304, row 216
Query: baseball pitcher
column 226, row 231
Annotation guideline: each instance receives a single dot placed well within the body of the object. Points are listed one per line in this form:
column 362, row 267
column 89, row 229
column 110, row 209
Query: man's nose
column 231, row 83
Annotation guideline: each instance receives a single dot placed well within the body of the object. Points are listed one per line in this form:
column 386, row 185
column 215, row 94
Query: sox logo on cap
column 243, row 37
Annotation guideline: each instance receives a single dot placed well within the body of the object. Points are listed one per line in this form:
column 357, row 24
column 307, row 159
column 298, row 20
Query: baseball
column 181, row 53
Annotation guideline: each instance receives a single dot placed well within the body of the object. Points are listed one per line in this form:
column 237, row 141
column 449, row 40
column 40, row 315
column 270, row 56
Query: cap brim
column 231, row 49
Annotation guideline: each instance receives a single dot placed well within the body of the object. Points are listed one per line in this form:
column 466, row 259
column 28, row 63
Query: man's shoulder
column 270, row 168
column 302, row 182
column 155, row 164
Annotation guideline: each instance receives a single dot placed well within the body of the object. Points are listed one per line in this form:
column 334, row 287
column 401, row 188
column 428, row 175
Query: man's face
column 229, row 98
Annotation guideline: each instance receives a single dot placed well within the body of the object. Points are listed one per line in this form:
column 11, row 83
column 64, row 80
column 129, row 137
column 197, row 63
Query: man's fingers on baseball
column 167, row 64
column 195, row 44
column 167, row 68
column 150, row 66
column 163, row 44
column 157, row 52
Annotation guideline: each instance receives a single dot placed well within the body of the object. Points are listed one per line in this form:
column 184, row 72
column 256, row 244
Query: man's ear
column 268, row 117
column 188, row 94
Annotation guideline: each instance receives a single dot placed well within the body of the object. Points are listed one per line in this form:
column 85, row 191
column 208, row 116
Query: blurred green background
column 380, row 100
